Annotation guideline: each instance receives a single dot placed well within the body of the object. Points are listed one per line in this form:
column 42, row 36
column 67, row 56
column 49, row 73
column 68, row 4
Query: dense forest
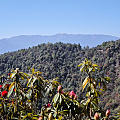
column 61, row 60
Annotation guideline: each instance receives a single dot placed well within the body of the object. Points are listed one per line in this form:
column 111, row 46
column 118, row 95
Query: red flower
column 96, row 116
column 0, row 86
column 7, row 86
column 48, row 105
column 4, row 93
column 59, row 88
column 8, row 74
column 107, row 113
column 62, row 92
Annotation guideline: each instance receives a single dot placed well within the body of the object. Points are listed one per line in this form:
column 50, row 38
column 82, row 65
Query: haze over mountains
column 25, row 41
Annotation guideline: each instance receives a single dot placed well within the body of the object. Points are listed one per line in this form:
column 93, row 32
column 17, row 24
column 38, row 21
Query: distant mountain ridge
column 26, row 41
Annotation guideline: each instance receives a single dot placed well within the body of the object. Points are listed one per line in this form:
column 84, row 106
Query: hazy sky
column 18, row 17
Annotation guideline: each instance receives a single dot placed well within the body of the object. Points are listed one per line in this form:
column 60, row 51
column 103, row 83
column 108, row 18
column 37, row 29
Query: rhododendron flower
column 107, row 113
column 48, row 105
column 75, row 97
column 59, row 88
column 4, row 93
column 62, row 92
column 8, row 74
column 96, row 116
column 72, row 95
column 40, row 118
column 0, row 86
column 7, row 86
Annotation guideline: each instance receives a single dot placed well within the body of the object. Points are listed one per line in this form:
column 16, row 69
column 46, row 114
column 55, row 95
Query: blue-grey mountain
column 25, row 41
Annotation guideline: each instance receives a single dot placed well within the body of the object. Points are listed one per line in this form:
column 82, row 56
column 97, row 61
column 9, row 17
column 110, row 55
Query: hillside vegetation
column 61, row 60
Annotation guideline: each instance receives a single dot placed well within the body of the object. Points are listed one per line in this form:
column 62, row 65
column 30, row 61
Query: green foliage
column 60, row 60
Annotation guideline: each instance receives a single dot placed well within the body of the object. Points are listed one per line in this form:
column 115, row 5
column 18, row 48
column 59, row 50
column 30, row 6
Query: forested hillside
column 61, row 60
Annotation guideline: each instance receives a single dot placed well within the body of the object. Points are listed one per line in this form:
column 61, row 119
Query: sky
column 48, row 17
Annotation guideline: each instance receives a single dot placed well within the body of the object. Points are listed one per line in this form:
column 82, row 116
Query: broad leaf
column 56, row 97
column 10, row 91
column 85, row 82
column 12, row 84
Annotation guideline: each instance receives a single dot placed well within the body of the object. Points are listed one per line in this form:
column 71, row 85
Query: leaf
column 29, row 81
column 10, row 91
column 55, row 82
column 107, row 79
column 12, row 75
column 90, row 69
column 5, row 107
column 29, row 114
column 80, row 65
column 60, row 118
column 49, row 89
column 95, row 65
column 34, row 79
column 87, row 101
column 85, row 82
column 60, row 100
column 23, row 76
column 82, row 68
column 28, row 95
column 15, row 108
column 33, row 70
column 13, row 83
column 55, row 99
column 25, row 117
column 34, row 118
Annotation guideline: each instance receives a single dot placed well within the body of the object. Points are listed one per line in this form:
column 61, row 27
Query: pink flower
column 4, row 93
column 40, row 118
column 72, row 93
column 107, row 113
column 59, row 88
column 96, row 116
column 75, row 97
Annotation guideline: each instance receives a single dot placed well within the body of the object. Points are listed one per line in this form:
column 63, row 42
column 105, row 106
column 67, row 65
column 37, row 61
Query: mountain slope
column 25, row 41
column 61, row 60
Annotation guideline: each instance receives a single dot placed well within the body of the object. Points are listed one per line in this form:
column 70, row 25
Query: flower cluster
column 60, row 89
column 4, row 93
column 73, row 95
